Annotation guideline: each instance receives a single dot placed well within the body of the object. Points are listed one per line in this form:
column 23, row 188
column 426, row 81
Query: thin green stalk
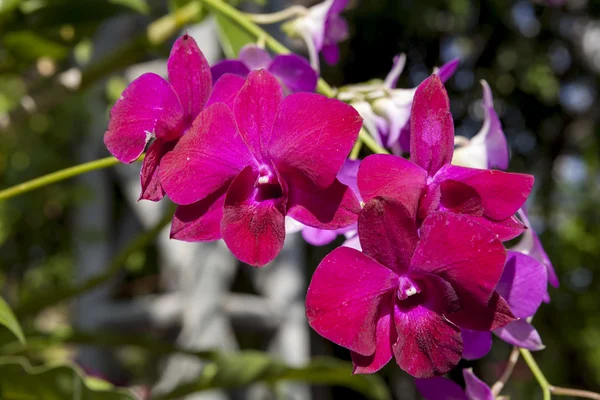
column 44, row 300
column 58, row 176
column 537, row 372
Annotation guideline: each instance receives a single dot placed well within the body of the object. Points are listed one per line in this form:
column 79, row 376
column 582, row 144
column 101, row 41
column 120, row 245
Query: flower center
column 407, row 288
column 267, row 185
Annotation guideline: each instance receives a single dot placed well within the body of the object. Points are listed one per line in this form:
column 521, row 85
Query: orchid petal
column 475, row 388
column 523, row 284
column 440, row 388
column 294, row 72
column 476, row 344
column 502, row 193
column 343, row 298
column 521, row 333
column 148, row 107
column 491, row 134
column 189, row 73
column 149, row 174
column 199, row 221
column 348, row 175
column 428, row 344
column 388, row 233
column 385, row 337
column 313, row 134
column 235, row 67
column 446, row 71
column 331, row 53
column 254, row 57
column 477, row 316
column 394, row 177
column 255, row 109
column 431, row 126
column 198, row 165
column 253, row 230
column 318, row 237
column 226, row 89
column 506, row 229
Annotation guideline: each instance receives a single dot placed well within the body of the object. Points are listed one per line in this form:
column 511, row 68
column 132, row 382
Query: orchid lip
column 407, row 288
column 267, row 185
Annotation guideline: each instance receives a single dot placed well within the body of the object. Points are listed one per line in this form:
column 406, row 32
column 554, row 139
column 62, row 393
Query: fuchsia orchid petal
column 522, row 334
column 254, row 57
column 472, row 266
column 343, row 298
column 428, row 344
column 476, row 344
column 482, row 317
column 326, row 208
column 294, row 72
column 431, row 126
column 253, row 230
column 386, row 336
column 189, row 73
column 523, row 284
column 198, row 165
column 235, row 67
column 149, row 175
column 148, row 107
column 394, row 177
column 226, row 90
column 475, row 388
column 388, row 233
column 506, row 229
column 199, row 221
column 440, row 388
column 255, row 109
column 502, row 193
column 313, row 135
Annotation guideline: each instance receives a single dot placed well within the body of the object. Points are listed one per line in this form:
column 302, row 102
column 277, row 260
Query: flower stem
column 510, row 366
column 58, row 176
column 537, row 372
column 559, row 391
column 290, row 12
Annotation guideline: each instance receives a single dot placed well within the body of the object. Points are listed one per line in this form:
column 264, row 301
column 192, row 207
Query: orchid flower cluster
column 248, row 153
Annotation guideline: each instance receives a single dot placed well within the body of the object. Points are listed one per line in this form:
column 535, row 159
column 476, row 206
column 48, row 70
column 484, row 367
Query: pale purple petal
column 235, row 67
column 353, row 242
column 520, row 333
column 318, row 237
column 431, row 126
column 446, row 71
column 397, row 67
column 294, row 72
column 476, row 344
column 343, row 298
column 331, row 53
column 440, row 388
column 348, row 175
column 475, row 388
column 523, row 284
column 149, row 107
column 190, row 75
column 198, row 166
column 254, row 57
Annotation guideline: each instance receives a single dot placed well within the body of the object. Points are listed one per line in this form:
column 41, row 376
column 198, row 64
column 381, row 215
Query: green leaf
column 8, row 5
column 31, row 46
column 241, row 369
column 21, row 381
column 231, row 36
column 7, row 318
column 136, row 5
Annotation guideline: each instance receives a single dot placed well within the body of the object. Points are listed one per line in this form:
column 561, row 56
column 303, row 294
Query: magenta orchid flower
column 488, row 148
column 396, row 108
column 530, row 244
column 322, row 237
column 406, row 296
column 428, row 182
column 322, row 28
column 523, row 285
column 155, row 110
column 238, row 174
column 293, row 72
column 440, row 388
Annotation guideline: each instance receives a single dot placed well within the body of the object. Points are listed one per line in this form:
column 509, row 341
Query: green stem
column 58, row 176
column 273, row 18
column 44, row 300
column 537, row 372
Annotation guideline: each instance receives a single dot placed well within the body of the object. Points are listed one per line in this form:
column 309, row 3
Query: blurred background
column 93, row 277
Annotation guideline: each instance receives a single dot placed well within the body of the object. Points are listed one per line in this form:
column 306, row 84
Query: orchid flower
column 152, row 109
column 440, row 388
column 395, row 108
column 488, row 148
column 428, row 182
column 293, row 72
column 238, row 173
column 407, row 296
column 322, row 28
